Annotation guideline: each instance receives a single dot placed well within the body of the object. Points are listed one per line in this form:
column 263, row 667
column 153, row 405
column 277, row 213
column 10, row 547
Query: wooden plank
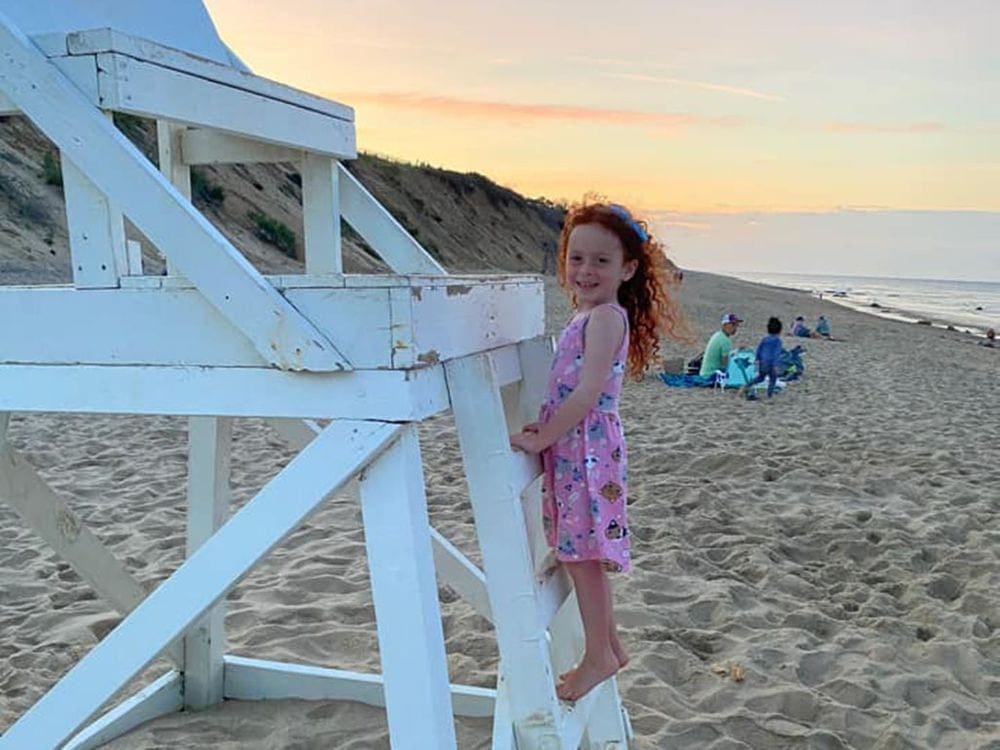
column 525, row 471
column 450, row 321
column 161, row 697
column 81, row 71
column 168, row 152
column 48, row 515
column 202, row 146
column 607, row 721
column 176, row 327
column 495, row 496
column 169, row 149
column 503, row 726
column 223, row 391
column 507, row 369
column 96, row 41
column 597, row 720
column 531, row 504
column 576, row 716
column 459, row 573
column 209, row 452
column 96, row 232
column 321, row 215
column 375, row 328
column 282, row 505
column 554, row 589
column 147, row 90
column 256, row 679
column 381, row 231
column 200, row 251
column 407, row 614
column 535, row 359
column 285, row 282
column 133, row 256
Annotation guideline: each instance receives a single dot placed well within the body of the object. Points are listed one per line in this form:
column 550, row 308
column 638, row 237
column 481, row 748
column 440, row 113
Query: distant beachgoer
column 990, row 340
column 615, row 274
column 768, row 357
column 716, row 355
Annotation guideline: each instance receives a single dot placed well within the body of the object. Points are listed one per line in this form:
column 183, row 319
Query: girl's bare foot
column 620, row 655
column 586, row 677
column 616, row 647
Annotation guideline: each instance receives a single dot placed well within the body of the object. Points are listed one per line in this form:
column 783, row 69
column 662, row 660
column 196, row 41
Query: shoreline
column 883, row 311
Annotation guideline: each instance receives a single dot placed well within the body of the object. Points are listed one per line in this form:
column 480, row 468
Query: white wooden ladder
column 533, row 609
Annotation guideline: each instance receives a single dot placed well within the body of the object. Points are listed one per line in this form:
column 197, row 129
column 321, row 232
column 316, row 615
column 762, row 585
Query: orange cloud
column 705, row 85
column 455, row 107
column 867, row 127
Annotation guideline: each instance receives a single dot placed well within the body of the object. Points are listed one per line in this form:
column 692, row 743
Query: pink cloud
column 456, row 107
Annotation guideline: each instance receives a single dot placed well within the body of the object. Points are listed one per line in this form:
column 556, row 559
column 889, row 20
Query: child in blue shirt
column 768, row 357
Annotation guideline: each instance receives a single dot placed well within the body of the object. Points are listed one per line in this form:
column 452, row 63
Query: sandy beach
column 840, row 544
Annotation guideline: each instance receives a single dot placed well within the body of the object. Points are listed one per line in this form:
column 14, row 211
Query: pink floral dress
column 584, row 485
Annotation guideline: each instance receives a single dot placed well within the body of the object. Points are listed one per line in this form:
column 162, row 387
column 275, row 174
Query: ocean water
column 972, row 306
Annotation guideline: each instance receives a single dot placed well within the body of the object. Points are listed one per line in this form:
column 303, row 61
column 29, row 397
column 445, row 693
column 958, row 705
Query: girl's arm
column 602, row 339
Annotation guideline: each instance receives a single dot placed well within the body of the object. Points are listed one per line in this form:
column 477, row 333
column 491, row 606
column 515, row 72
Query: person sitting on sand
column 823, row 327
column 990, row 340
column 800, row 329
column 716, row 355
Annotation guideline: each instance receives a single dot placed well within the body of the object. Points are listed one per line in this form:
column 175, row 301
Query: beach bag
column 694, row 366
column 741, row 368
column 790, row 364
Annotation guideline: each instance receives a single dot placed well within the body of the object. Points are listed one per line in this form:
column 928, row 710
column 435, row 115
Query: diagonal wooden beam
column 282, row 335
column 387, row 237
column 495, row 494
column 48, row 515
column 162, row 696
column 343, row 449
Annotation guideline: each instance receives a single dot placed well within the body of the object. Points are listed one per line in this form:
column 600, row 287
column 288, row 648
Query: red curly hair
column 652, row 309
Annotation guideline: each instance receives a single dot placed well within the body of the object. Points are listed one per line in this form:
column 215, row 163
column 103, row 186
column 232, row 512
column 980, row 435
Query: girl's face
column 595, row 265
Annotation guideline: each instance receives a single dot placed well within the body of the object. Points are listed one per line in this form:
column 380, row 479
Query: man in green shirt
column 716, row 355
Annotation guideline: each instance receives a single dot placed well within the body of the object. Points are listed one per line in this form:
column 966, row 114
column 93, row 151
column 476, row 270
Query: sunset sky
column 850, row 137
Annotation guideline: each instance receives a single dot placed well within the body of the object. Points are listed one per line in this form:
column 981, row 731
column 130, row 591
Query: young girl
column 617, row 279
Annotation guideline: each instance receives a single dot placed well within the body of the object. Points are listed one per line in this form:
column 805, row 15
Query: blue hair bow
column 635, row 226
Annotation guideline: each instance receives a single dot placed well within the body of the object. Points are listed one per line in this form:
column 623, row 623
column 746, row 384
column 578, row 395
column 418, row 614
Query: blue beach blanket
column 687, row 381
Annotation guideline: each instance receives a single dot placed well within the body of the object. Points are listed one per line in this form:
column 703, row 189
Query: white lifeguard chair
column 214, row 340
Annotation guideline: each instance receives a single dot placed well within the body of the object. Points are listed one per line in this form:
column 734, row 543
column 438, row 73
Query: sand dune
column 840, row 544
